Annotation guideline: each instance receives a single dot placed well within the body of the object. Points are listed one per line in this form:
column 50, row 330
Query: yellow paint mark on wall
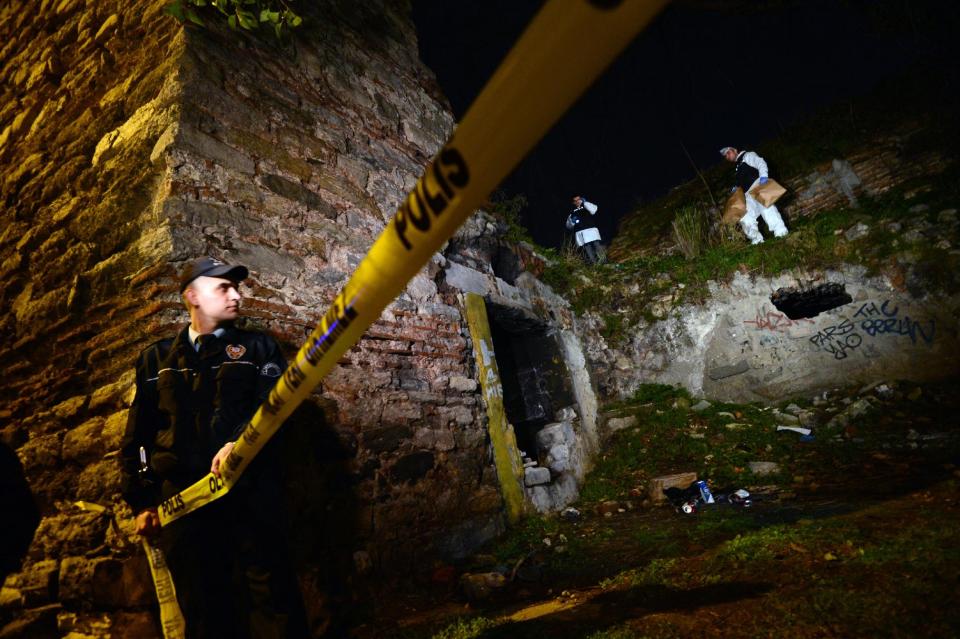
column 506, row 454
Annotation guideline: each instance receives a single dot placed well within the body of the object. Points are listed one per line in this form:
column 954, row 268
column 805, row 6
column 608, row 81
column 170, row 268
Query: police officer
column 585, row 232
column 750, row 171
column 195, row 393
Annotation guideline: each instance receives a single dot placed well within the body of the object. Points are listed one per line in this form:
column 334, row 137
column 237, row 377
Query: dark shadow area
column 20, row 514
column 621, row 128
column 322, row 505
column 671, row 534
column 534, row 377
column 616, row 607
column 800, row 304
column 506, row 264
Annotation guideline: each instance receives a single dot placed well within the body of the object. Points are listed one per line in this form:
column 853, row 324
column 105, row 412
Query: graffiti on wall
column 882, row 320
column 874, row 321
column 773, row 321
column 839, row 339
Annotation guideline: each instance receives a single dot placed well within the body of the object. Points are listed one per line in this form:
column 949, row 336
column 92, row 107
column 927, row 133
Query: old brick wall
column 887, row 163
column 129, row 145
column 292, row 165
column 86, row 89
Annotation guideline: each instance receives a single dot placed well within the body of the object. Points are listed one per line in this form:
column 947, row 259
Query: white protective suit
column 770, row 214
column 586, row 235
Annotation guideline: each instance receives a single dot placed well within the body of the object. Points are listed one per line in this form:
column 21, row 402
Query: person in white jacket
column 584, row 232
column 752, row 170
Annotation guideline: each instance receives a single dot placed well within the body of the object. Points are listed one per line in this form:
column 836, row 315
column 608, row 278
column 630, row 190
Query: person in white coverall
column 751, row 170
column 584, row 231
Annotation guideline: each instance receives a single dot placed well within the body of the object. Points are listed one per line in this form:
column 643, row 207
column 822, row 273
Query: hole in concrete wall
column 801, row 303
column 532, row 371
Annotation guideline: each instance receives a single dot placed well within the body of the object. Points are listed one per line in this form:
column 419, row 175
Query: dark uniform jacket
column 189, row 404
column 745, row 174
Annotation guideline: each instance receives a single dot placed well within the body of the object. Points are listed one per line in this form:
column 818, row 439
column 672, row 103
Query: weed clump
column 691, row 230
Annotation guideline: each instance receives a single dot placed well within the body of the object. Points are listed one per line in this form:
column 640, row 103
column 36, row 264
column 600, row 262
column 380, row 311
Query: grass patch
column 860, row 574
column 717, row 444
column 691, row 230
column 525, row 536
column 642, row 288
column 466, row 629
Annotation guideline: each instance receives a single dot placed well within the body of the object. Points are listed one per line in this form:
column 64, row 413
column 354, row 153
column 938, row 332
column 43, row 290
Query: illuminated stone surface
column 129, row 145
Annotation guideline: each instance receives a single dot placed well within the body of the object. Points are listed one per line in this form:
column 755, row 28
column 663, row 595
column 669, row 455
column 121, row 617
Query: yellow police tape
column 172, row 621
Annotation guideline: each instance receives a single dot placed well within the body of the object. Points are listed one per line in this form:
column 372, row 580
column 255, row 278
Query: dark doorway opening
column 532, row 371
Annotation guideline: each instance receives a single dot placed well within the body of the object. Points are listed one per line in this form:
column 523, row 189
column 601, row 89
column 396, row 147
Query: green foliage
column 509, row 210
column 658, row 393
column 815, row 242
column 466, row 629
column 691, row 230
column 249, row 15
column 612, row 329
column 558, row 277
column 524, row 537
column 614, row 633
column 563, row 270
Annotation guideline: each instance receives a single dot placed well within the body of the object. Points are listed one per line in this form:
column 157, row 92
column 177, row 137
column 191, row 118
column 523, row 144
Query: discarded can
column 705, row 495
column 570, row 514
column 689, row 507
column 741, row 498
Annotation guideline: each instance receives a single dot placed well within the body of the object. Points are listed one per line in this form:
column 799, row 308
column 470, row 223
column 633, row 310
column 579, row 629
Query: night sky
column 704, row 75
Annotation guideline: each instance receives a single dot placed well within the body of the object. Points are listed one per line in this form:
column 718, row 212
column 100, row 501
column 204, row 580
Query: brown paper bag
column 767, row 194
column 735, row 208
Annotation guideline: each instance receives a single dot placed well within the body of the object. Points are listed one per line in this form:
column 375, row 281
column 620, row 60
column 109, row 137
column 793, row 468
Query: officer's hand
column 220, row 457
column 763, row 180
column 148, row 523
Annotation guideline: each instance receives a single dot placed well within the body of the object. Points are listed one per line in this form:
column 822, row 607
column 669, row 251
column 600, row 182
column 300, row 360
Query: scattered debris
column 570, row 514
column 856, row 231
column 478, row 587
column 786, row 418
column 658, row 486
column 619, row 423
column 705, row 495
column 763, row 468
column 608, row 508
column 697, row 495
column 796, row 429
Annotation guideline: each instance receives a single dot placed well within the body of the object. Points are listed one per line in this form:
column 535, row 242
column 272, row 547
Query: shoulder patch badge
column 270, row 370
column 236, row 351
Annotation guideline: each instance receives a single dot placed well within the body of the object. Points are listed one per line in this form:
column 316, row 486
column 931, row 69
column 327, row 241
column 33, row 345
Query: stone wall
column 887, row 163
column 131, row 144
column 737, row 346
column 85, row 91
column 291, row 165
